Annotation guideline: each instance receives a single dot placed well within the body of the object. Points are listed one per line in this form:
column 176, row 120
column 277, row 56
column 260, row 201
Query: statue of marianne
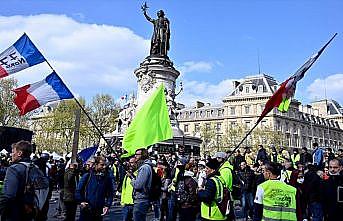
column 161, row 34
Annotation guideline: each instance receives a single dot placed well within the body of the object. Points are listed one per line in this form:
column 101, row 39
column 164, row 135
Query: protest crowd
column 267, row 184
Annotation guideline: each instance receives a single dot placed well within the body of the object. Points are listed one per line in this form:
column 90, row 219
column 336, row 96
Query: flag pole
column 244, row 138
column 109, row 149
column 264, row 114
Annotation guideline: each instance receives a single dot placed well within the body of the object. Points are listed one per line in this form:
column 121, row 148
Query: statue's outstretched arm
column 148, row 18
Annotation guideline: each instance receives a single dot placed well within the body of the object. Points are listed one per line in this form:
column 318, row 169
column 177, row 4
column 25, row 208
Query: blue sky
column 96, row 45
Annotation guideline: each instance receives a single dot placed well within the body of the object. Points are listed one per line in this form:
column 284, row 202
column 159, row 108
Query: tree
column 9, row 113
column 104, row 111
column 207, row 133
column 261, row 135
column 54, row 131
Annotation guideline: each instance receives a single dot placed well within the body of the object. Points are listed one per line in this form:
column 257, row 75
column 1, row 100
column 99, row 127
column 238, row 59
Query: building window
column 219, row 139
column 286, row 127
column 191, row 114
column 197, row 127
column 260, row 88
column 185, row 128
column 247, row 90
column 232, row 110
column 247, row 124
column 219, row 127
column 208, row 114
column 247, row 109
column 208, row 127
column 220, row 112
column 278, row 125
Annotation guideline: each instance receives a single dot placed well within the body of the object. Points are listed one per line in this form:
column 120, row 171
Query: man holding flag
column 150, row 125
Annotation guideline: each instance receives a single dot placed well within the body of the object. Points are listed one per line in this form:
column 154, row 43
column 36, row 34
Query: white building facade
column 302, row 125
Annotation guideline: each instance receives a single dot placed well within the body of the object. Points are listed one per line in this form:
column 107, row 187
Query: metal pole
column 109, row 148
column 76, row 135
column 99, row 131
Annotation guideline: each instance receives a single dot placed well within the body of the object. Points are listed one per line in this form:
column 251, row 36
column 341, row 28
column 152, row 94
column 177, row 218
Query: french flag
column 32, row 96
column 22, row 54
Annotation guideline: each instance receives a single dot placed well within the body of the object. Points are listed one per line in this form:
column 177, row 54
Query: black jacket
column 11, row 201
column 70, row 184
column 312, row 187
column 332, row 208
column 305, row 158
column 247, row 179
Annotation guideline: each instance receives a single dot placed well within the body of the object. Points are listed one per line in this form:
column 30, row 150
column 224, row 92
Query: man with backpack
column 186, row 194
column 25, row 186
column 212, row 195
column 142, row 185
column 95, row 192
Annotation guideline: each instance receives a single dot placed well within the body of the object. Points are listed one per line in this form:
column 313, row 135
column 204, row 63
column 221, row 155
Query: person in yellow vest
column 295, row 157
column 212, row 193
column 126, row 199
column 225, row 170
column 225, row 176
column 274, row 200
column 286, row 171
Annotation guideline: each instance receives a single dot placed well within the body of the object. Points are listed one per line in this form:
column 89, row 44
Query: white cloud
column 205, row 92
column 89, row 57
column 332, row 84
column 195, row 66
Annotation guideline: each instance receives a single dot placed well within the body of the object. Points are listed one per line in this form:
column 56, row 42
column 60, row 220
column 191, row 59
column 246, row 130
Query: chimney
column 199, row 104
column 235, row 84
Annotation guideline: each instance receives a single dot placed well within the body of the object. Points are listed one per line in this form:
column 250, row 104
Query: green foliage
column 9, row 113
column 54, row 132
column 208, row 133
column 235, row 133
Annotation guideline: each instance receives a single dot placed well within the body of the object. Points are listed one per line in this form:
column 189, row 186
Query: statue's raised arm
column 161, row 35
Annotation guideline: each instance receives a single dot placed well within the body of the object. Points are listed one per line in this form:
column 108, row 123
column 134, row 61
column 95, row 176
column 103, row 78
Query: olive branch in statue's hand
column 144, row 7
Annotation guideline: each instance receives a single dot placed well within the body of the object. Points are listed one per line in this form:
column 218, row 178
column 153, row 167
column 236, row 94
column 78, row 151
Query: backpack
column 182, row 192
column 36, row 190
column 236, row 192
column 224, row 203
column 156, row 185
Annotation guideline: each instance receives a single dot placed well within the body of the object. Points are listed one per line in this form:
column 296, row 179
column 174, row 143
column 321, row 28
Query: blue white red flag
column 22, row 54
column 32, row 96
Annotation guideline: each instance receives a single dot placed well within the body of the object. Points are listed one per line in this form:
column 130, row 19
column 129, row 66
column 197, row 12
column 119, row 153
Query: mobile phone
column 340, row 194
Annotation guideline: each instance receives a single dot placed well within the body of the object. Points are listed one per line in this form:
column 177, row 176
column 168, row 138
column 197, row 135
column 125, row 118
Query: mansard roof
column 333, row 107
column 254, row 85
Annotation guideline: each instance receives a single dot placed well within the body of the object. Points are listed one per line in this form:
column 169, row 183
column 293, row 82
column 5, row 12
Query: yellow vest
column 279, row 202
column 174, row 180
column 114, row 169
column 295, row 159
column 211, row 211
column 126, row 191
column 226, row 175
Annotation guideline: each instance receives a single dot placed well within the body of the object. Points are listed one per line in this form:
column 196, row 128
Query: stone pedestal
column 151, row 73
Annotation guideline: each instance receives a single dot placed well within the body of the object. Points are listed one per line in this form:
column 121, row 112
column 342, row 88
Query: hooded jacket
column 142, row 182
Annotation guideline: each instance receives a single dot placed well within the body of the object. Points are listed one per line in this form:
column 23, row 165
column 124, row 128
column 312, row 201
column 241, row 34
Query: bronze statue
column 161, row 35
